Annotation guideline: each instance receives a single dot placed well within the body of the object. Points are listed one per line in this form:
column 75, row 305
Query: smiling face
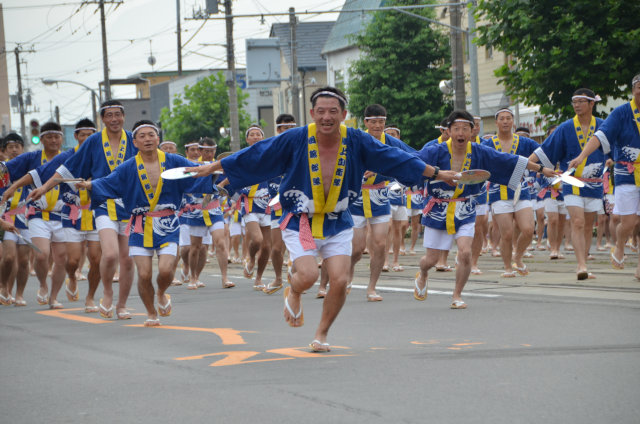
column 146, row 140
column 113, row 119
column 52, row 142
column 375, row 126
column 328, row 115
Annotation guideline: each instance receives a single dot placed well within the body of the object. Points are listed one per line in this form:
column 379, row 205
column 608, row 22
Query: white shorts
column 506, row 206
column 275, row 224
column 169, row 249
column 627, row 200
column 361, row 221
column 589, row 204
column 186, row 231
column 11, row 236
column 218, row 225
column 441, row 240
column 339, row 244
column 554, row 206
column 235, row 229
column 263, row 219
column 482, row 210
column 538, row 204
column 76, row 236
column 103, row 222
column 51, row 230
column 399, row 213
column 414, row 212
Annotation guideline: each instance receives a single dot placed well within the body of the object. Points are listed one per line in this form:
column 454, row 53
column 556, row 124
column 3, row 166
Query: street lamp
column 94, row 96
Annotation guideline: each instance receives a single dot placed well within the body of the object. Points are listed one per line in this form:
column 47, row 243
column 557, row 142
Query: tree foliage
column 201, row 111
column 555, row 47
column 403, row 59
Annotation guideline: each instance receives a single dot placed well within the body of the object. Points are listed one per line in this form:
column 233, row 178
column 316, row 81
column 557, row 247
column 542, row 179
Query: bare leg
column 108, row 263
column 427, row 262
column 277, row 254
column 74, row 255
column 126, row 274
column 195, row 251
column 222, row 254
column 41, row 263
column 504, row 223
column 337, row 267
column 524, row 219
column 145, row 287
column 478, row 239
column 265, row 252
column 415, row 231
column 358, row 244
column 22, row 273
column 464, row 265
column 94, row 253
column 378, row 251
column 253, row 234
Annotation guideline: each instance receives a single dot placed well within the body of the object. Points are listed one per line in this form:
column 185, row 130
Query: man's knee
column 464, row 256
column 307, row 275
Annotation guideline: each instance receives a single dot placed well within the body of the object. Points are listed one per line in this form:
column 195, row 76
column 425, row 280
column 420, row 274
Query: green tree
column 555, row 47
column 403, row 60
column 201, row 112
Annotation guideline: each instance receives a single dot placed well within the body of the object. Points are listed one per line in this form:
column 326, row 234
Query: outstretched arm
column 589, row 148
column 42, row 190
column 25, row 180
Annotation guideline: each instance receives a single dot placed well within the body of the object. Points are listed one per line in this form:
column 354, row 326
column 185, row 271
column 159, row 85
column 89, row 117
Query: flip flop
column 176, row 282
column 385, row 268
column 20, row 303
column 398, row 268
column 476, row 271
column 165, row 310
column 258, row 287
column 321, row 294
column 90, row 309
column 271, row 289
column 318, row 346
column 72, row 296
column 458, row 304
column 56, row 305
column 418, row 293
column 349, row 286
column 42, row 300
column 104, row 312
column 185, row 278
column 617, row 264
column 375, row 297
column 287, row 308
column 582, row 275
column 521, row 270
column 508, row 274
column 192, row 286
column 152, row 322
column 200, row 284
column 228, row 285
column 247, row 274
column 5, row 300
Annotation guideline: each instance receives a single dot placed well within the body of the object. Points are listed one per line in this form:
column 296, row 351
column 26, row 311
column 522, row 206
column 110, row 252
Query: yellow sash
column 320, row 206
column 14, row 202
column 582, row 140
column 113, row 162
column 252, row 193
column 152, row 197
column 514, row 148
column 636, row 118
column 52, row 195
column 451, row 206
column 366, row 195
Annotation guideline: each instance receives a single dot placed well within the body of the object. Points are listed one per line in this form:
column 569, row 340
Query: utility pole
column 457, row 61
column 105, row 56
column 234, row 143
column 179, row 38
column 56, row 112
column 295, row 91
column 473, row 63
column 23, row 130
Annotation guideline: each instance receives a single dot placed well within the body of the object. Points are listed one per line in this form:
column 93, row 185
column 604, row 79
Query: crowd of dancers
column 319, row 195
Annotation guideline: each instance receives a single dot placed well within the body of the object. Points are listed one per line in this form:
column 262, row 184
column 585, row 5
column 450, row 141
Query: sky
column 65, row 37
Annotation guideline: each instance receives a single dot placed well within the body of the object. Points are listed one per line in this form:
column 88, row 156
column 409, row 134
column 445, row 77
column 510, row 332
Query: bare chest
column 153, row 173
column 328, row 157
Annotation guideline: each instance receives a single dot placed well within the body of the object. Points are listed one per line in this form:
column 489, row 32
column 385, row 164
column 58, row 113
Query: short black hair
column 584, row 92
column 459, row 114
column 445, row 123
column 12, row 137
column 207, row 141
column 375, row 110
column 85, row 123
column 285, row 118
column 50, row 126
column 337, row 94
column 110, row 103
column 523, row 129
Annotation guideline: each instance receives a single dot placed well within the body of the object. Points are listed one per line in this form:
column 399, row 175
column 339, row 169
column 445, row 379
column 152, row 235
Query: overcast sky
column 66, row 38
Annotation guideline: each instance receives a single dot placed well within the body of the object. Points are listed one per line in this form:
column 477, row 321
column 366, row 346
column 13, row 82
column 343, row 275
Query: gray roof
column 310, row 37
column 350, row 24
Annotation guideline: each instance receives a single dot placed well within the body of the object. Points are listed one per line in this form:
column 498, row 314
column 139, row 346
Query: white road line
column 399, row 289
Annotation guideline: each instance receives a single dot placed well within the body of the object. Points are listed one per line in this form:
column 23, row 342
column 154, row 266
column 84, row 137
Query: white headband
column 329, row 93
column 583, row 96
column 478, row 118
column 466, row 121
column 375, row 117
column 393, row 128
column 287, row 124
column 51, row 132
column 208, row 147
column 85, row 128
column 111, row 107
column 145, row 126
column 246, row 134
column 440, row 127
column 186, row 146
column 503, row 110
column 166, row 142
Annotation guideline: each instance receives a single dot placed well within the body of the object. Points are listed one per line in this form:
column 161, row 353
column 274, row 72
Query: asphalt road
column 541, row 348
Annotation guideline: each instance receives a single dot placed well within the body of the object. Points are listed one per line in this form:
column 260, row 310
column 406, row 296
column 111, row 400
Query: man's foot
column 56, row 305
column 476, row 271
column 582, row 275
column 200, row 284
column 80, row 276
column 176, row 282
column 615, row 262
column 522, row 270
column 272, row 287
column 227, row 284
column 258, row 286
column 43, row 299
column 152, row 322
column 90, row 309
column 508, row 274
column 247, row 270
column 419, row 293
column 20, row 302
column 123, row 314
column 318, row 346
column 192, row 286
column 402, row 252
column 72, row 295
column 458, row 304
column 374, row 297
column 385, row 268
column 104, row 311
column 321, row 294
column 164, row 310
column 397, row 268
column 294, row 319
